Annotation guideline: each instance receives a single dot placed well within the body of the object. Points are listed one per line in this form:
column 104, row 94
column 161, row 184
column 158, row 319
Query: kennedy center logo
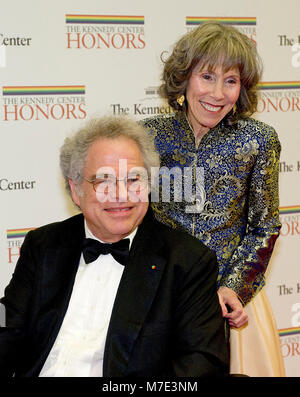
column 15, row 238
column 27, row 103
column 290, row 340
column 279, row 96
column 105, row 32
column 290, row 220
column 246, row 25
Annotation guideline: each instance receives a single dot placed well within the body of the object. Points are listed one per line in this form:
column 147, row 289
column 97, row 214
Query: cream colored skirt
column 255, row 348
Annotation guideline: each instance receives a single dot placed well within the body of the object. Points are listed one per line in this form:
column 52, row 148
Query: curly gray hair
column 74, row 151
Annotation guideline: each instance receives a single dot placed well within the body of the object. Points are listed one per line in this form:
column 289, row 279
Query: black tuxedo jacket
column 166, row 320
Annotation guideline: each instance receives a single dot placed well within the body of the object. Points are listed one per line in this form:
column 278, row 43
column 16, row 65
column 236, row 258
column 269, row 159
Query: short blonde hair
column 213, row 44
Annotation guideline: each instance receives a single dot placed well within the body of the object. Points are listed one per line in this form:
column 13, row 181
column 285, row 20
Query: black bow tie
column 93, row 248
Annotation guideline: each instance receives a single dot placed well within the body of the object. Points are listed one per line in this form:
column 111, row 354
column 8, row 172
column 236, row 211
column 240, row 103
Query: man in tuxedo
column 111, row 291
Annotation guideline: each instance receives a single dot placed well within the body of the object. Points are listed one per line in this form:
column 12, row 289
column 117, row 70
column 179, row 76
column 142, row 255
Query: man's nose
column 121, row 190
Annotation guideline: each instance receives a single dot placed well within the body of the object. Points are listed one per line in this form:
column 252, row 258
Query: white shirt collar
column 89, row 234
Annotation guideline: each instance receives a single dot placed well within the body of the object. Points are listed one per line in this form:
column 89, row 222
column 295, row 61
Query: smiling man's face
column 116, row 217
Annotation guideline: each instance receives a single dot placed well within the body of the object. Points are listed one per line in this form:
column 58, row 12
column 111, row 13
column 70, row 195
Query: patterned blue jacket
column 224, row 192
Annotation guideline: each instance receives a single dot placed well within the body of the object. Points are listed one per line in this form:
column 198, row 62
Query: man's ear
column 74, row 192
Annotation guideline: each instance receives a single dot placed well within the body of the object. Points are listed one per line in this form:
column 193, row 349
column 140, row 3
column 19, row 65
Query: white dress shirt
column 79, row 347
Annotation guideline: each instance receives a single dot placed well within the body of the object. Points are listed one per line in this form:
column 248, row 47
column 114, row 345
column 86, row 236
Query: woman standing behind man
column 210, row 80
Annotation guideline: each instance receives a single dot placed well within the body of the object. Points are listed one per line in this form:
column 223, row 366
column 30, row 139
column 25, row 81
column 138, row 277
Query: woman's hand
column 237, row 317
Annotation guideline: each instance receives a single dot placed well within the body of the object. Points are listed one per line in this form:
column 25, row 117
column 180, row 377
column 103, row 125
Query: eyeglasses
column 108, row 183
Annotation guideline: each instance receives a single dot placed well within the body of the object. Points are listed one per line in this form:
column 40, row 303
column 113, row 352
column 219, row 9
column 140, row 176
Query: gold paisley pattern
column 238, row 214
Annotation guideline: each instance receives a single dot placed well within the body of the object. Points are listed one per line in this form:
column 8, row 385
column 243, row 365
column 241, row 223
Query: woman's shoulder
column 251, row 124
column 159, row 120
column 257, row 129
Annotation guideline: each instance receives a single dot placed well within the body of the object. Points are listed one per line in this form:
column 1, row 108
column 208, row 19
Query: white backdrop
column 64, row 61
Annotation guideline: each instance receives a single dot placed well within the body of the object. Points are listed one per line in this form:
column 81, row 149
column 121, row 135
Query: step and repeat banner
column 62, row 62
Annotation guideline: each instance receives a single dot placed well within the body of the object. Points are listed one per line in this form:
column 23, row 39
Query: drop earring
column 180, row 99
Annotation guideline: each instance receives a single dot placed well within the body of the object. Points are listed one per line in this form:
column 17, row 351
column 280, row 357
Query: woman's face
column 210, row 96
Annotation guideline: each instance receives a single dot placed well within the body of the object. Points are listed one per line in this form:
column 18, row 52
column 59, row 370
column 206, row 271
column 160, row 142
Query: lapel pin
column 153, row 267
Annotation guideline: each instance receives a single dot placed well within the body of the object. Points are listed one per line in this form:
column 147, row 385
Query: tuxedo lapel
column 61, row 262
column 137, row 290
column 57, row 275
